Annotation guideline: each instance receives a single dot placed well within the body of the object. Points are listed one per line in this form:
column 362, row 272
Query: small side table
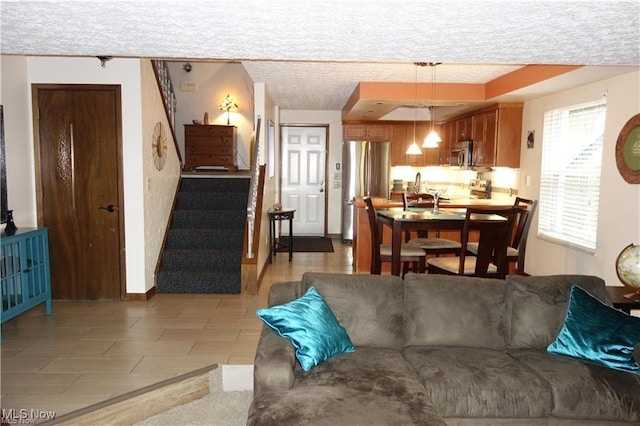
column 274, row 245
column 616, row 294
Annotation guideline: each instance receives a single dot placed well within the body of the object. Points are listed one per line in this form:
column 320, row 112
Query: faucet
column 416, row 186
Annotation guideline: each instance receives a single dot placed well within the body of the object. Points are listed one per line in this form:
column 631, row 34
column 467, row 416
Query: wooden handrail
column 163, row 78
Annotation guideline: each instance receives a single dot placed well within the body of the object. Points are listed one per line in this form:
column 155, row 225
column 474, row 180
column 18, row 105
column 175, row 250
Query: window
column 572, row 143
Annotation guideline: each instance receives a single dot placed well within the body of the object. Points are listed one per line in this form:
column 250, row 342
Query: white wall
column 159, row 185
column 619, row 212
column 334, row 120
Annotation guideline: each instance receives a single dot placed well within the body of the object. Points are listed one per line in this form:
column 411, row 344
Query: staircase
column 203, row 251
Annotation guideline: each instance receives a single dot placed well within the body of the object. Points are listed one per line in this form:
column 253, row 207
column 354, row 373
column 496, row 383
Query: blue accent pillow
column 596, row 332
column 311, row 326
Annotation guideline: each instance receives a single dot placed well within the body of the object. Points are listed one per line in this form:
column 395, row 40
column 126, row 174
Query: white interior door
column 303, row 178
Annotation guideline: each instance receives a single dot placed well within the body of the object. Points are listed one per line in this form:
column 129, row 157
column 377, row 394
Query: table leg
column 290, row 239
column 396, row 243
column 271, row 236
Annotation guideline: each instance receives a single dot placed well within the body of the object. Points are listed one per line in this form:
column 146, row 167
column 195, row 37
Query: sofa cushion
column 599, row 333
column 369, row 307
column 371, row 386
column 585, row 390
column 536, row 306
column 310, row 326
column 443, row 310
column 478, row 382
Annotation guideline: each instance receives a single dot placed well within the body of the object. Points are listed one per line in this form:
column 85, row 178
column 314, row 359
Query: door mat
column 307, row 244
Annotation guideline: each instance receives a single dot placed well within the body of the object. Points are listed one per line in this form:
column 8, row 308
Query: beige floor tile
column 38, row 383
column 67, row 348
column 99, row 322
column 178, row 365
column 171, row 323
column 137, row 334
column 24, row 365
column 115, row 384
column 218, row 335
column 251, row 323
column 92, row 364
column 146, row 348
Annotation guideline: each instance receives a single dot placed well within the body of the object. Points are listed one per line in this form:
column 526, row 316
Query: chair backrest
column 424, row 200
column 494, row 237
column 524, row 212
column 376, row 265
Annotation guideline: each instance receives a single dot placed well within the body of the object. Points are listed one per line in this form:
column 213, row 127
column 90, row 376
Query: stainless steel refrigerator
column 366, row 170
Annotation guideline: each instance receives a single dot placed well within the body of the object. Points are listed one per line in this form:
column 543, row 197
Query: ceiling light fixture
column 414, row 149
column 433, row 139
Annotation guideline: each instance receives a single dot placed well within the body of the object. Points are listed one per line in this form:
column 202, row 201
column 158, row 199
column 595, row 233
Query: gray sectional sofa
column 436, row 349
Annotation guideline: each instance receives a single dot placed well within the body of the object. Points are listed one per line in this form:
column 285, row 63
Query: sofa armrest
column 274, row 363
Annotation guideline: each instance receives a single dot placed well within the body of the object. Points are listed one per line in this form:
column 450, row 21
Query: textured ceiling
column 311, row 55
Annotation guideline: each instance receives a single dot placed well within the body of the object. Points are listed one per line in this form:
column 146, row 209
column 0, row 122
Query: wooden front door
column 79, row 192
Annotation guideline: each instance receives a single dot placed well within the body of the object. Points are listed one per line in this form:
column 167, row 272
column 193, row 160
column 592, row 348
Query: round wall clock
column 628, row 150
column 159, row 146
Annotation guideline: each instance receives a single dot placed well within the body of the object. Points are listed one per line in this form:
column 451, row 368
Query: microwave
column 462, row 154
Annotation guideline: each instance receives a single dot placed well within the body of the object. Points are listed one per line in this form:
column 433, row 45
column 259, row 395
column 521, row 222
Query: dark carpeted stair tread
column 215, row 201
column 190, row 259
column 209, row 219
column 227, row 239
column 215, row 185
column 199, row 282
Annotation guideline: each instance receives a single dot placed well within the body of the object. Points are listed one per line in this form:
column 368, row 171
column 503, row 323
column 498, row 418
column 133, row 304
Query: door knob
column 110, row 208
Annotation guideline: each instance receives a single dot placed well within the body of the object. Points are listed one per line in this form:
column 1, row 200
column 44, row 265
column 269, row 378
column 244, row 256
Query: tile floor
column 87, row 352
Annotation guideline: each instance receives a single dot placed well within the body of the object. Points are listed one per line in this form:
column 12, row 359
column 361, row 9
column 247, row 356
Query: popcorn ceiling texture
column 511, row 33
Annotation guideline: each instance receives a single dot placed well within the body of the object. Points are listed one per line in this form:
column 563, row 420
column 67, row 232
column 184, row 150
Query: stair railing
column 253, row 192
column 163, row 78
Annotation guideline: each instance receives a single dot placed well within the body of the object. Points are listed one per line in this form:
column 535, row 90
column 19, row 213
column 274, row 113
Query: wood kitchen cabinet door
column 367, row 132
column 399, row 145
column 463, row 129
column 483, row 133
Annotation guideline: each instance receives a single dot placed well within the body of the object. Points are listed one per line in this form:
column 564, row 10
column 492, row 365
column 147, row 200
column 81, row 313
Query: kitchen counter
column 362, row 234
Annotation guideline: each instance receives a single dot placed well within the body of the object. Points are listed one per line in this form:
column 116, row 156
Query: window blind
column 572, row 144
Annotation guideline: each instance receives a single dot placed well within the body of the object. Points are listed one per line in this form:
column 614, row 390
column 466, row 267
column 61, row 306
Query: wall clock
column 159, row 146
column 628, row 150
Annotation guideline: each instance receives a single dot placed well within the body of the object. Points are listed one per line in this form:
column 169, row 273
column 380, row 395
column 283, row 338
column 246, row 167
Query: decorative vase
column 206, row 118
column 11, row 227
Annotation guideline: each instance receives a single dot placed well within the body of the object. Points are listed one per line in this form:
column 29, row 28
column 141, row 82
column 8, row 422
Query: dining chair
column 431, row 245
column 516, row 250
column 493, row 239
column 382, row 252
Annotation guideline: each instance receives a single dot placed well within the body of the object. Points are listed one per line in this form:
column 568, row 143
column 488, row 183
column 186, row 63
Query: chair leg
column 421, row 265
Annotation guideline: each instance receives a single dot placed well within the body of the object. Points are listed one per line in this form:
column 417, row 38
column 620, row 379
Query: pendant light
column 414, row 149
column 433, row 139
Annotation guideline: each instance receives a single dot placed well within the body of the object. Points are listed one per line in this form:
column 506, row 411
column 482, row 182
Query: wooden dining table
column 420, row 219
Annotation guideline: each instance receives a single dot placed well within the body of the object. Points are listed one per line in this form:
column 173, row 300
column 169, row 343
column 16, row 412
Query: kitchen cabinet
column 403, row 137
column 448, row 136
column 483, row 133
column 367, row 132
column 496, row 135
column 210, row 145
column 463, row 128
column 496, row 132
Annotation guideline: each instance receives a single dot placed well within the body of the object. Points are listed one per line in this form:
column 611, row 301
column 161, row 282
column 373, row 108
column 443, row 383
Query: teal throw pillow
column 311, row 326
column 598, row 333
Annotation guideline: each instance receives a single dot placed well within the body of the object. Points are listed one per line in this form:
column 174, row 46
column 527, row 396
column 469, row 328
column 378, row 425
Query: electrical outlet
column 336, row 184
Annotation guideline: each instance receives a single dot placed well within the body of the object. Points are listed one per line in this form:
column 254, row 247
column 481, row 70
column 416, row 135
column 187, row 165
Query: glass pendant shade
column 414, row 149
column 432, row 140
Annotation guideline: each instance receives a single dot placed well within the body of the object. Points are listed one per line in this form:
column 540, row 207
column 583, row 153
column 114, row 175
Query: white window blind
column 572, row 144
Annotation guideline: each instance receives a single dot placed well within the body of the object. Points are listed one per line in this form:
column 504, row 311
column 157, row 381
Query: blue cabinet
column 25, row 272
